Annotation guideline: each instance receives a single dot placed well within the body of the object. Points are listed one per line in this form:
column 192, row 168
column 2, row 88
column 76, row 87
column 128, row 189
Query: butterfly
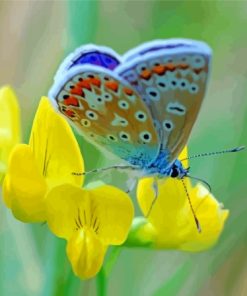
column 140, row 106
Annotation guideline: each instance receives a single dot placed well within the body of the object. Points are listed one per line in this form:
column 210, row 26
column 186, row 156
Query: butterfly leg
column 131, row 185
column 155, row 188
column 120, row 167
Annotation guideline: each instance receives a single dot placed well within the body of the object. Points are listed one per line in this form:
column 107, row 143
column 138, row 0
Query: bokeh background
column 34, row 37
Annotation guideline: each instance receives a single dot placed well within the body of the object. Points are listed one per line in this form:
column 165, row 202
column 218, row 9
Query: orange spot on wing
column 77, row 91
column 95, row 81
column 160, row 70
column 71, row 101
column 128, row 91
column 84, row 84
column 183, row 66
column 113, row 85
column 69, row 113
column 197, row 71
column 170, row 67
column 146, row 74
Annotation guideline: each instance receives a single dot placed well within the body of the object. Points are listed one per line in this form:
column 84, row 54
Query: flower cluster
column 39, row 187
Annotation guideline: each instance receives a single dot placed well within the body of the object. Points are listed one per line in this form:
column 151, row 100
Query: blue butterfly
column 140, row 106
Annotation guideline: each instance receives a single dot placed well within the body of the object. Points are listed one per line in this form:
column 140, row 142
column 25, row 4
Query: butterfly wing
column 90, row 54
column 171, row 77
column 108, row 112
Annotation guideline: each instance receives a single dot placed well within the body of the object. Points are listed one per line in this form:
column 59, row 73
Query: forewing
column 108, row 112
column 171, row 77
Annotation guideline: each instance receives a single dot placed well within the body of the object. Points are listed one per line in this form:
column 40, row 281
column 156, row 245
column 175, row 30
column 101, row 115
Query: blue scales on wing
column 90, row 54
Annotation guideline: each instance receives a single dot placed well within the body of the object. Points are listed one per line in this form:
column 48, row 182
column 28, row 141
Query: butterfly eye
column 91, row 115
column 141, row 116
column 198, row 61
column 123, row 104
column 145, row 136
column 174, row 172
column 124, row 136
column 194, row 88
column 85, row 122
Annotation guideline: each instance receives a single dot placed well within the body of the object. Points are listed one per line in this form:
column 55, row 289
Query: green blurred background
column 35, row 36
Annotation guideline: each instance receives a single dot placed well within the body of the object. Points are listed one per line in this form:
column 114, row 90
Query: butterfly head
column 176, row 170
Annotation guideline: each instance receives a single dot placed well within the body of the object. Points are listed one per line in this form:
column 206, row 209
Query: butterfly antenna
column 236, row 149
column 198, row 226
column 200, row 180
column 121, row 167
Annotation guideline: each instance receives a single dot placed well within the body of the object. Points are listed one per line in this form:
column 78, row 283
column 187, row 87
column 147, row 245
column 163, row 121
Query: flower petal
column 9, row 126
column 24, row 187
column 106, row 209
column 55, row 147
column 172, row 217
column 86, row 253
column 212, row 217
column 66, row 205
column 115, row 212
column 89, row 220
column 171, row 207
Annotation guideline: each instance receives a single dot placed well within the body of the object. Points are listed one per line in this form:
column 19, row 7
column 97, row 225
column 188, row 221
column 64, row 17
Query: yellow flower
column 90, row 220
column 9, row 126
column 170, row 224
column 47, row 161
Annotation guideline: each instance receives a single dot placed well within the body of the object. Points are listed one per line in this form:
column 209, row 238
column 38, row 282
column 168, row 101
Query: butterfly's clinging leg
column 155, row 188
column 132, row 185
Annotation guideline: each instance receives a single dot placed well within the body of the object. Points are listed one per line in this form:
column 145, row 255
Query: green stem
column 105, row 271
column 101, row 283
column 115, row 252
